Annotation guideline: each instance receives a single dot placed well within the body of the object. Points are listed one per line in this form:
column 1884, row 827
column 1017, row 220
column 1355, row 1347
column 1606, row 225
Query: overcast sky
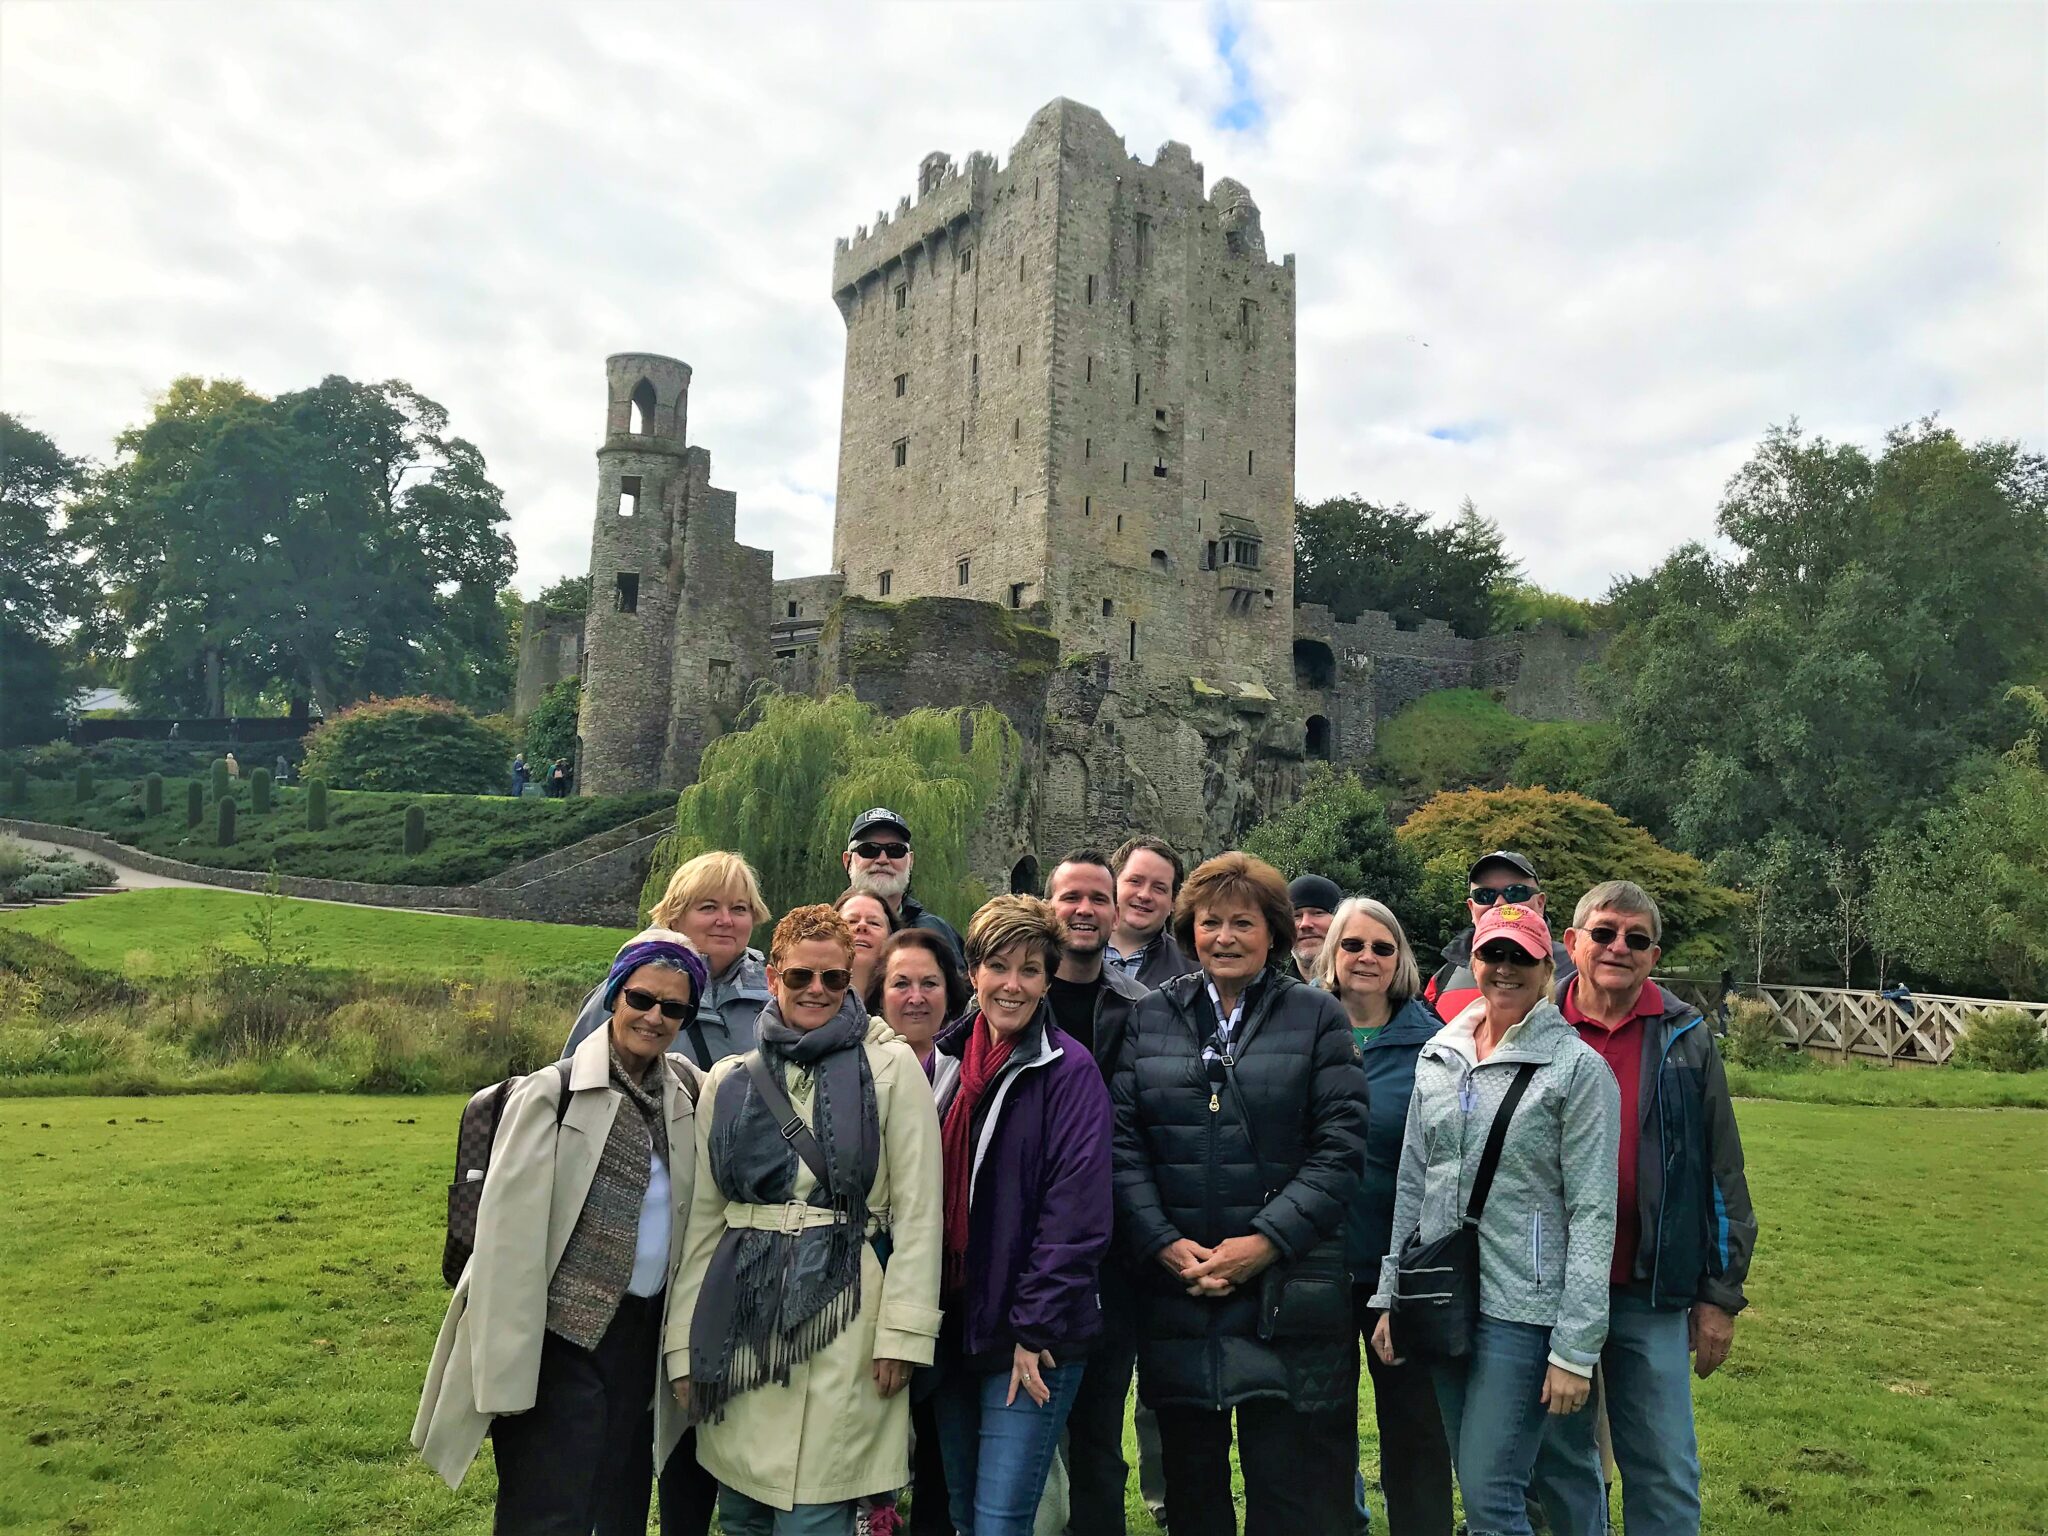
column 1569, row 261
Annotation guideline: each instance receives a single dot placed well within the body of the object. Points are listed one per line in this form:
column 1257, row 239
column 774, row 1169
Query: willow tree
column 783, row 791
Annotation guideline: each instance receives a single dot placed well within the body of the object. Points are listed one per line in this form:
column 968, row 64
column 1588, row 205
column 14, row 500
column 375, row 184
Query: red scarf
column 979, row 1066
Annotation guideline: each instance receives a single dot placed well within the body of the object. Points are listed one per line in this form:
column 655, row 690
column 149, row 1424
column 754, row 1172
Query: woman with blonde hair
column 714, row 901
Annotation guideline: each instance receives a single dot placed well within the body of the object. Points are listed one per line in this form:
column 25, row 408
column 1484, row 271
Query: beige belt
column 793, row 1216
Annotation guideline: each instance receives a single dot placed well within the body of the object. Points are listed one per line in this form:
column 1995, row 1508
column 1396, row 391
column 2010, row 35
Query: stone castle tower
column 1070, row 388
column 676, row 630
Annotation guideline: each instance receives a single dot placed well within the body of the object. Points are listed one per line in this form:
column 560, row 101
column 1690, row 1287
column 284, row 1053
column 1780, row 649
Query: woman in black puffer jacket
column 1240, row 1140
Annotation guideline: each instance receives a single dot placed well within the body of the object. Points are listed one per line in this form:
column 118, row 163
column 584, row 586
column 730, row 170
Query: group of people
column 889, row 1207
column 556, row 780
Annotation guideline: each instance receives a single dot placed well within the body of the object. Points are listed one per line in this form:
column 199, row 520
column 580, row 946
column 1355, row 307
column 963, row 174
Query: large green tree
column 337, row 540
column 42, row 589
column 1352, row 555
column 1339, row 829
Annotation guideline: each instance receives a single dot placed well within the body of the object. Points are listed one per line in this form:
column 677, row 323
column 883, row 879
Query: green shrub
column 415, row 829
column 2002, row 1040
column 408, row 745
column 17, row 784
column 1339, row 828
column 316, row 805
column 1450, row 739
column 259, row 791
column 1752, row 1039
column 35, row 887
column 153, row 795
column 551, row 728
column 195, row 804
column 82, row 784
column 220, row 778
column 224, row 823
column 1565, row 754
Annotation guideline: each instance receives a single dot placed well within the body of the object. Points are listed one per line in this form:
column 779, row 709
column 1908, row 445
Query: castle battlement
column 948, row 195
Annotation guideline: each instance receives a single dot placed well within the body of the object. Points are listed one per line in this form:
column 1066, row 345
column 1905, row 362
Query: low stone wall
column 652, row 824
column 603, row 889
column 437, row 898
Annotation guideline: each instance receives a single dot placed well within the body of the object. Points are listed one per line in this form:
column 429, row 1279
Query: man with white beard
column 878, row 860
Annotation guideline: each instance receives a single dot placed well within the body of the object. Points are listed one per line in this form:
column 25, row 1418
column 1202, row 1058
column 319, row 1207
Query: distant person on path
column 282, row 771
column 1315, row 899
column 809, row 1285
column 174, row 731
column 1142, row 946
column 1684, row 1227
column 234, row 768
column 878, row 858
column 1367, row 963
column 558, row 779
column 871, row 922
column 553, row 1342
column 520, row 774
column 714, row 901
column 1497, row 876
column 1545, row 1235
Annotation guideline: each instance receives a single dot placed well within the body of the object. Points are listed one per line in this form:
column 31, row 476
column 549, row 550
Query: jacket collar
column 1536, row 1039
column 1114, row 980
column 746, row 977
column 1033, row 1046
column 1413, row 1023
column 590, row 1065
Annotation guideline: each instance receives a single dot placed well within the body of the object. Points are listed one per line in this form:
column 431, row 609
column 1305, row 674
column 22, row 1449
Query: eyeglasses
column 1635, row 938
column 881, row 850
column 1506, row 954
column 641, row 1001
column 1486, row 896
column 798, row 978
column 1380, row 947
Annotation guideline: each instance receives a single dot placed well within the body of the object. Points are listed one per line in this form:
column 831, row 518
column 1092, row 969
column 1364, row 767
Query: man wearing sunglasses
column 1683, row 1224
column 1497, row 876
column 878, row 860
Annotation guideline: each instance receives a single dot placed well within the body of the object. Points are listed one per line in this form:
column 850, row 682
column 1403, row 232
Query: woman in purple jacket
column 1026, row 1127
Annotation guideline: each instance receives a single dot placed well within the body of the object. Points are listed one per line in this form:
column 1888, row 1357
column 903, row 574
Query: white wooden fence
column 1837, row 1022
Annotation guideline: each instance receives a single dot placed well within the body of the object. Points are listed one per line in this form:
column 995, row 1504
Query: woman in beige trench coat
column 799, row 1310
column 551, row 1344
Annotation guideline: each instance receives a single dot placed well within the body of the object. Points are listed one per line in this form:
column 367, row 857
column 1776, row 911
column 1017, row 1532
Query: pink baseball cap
column 1511, row 920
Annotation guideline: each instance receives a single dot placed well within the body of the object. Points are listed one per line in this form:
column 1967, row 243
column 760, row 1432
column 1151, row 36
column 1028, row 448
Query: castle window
column 1159, row 469
column 967, row 261
column 884, row 581
column 902, row 385
column 1159, row 560
column 1134, row 639
column 1020, row 354
column 963, row 570
column 1209, row 556
column 1020, row 268
column 1091, row 287
column 1137, row 388
column 1119, row 522
column 1087, row 506
column 901, row 449
column 902, row 294
column 1205, row 490
column 642, row 408
column 1144, row 246
column 1089, row 377
column 1016, row 429
column 1017, row 594
column 627, row 598
column 1158, row 411
column 1134, row 311
column 1247, row 461
column 963, row 434
column 792, row 610
column 1247, row 322
column 974, row 365
column 1108, row 607
column 1319, row 736
column 629, row 495
column 1127, row 471
column 1016, row 494
column 1087, row 447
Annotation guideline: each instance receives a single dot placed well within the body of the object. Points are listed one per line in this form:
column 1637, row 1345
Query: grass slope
column 160, row 933
column 468, row 836
column 217, row 1313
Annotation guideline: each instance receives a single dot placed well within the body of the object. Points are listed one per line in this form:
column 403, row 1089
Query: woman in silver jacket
column 1546, row 1235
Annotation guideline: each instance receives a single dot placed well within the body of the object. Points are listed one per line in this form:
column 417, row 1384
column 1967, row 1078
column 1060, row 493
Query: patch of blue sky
column 1461, row 431
column 1244, row 110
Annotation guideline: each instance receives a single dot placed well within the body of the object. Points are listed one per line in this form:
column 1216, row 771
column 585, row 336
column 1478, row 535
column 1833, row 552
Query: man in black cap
column 1316, row 899
column 1497, row 876
column 878, row 860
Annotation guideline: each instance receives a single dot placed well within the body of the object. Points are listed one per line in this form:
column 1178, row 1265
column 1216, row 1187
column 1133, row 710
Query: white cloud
column 1596, row 250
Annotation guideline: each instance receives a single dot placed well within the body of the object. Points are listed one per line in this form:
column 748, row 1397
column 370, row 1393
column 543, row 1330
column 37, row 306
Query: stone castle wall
column 550, row 649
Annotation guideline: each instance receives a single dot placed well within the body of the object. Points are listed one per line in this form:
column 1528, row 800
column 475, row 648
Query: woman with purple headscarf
column 552, row 1344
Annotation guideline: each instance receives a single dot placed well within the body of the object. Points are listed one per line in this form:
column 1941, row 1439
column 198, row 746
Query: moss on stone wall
column 929, row 626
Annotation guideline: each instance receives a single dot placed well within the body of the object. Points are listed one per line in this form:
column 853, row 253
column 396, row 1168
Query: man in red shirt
column 1684, row 1226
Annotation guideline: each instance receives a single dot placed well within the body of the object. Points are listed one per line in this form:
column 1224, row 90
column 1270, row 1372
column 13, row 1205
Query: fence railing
column 1919, row 1030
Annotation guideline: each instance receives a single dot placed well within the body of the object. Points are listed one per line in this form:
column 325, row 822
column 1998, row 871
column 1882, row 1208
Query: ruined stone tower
column 1070, row 386
column 675, row 633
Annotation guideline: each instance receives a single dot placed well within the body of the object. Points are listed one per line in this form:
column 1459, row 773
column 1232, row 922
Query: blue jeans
column 1647, row 1380
column 1495, row 1421
column 999, row 1455
column 739, row 1515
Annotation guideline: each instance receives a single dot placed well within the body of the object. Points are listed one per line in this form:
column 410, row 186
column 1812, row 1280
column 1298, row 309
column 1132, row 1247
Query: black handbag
column 1436, row 1284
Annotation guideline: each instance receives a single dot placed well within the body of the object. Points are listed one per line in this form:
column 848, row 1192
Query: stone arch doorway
column 1024, row 877
column 1319, row 737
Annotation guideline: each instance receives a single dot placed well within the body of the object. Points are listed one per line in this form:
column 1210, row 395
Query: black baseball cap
column 880, row 816
column 1514, row 861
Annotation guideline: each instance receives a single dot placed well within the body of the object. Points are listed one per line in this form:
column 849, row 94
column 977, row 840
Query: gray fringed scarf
column 773, row 1299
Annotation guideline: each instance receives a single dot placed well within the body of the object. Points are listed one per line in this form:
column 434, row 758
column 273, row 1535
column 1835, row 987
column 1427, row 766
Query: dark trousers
column 1298, row 1469
column 581, row 1460
column 1096, row 1470
column 1415, row 1459
column 929, row 1514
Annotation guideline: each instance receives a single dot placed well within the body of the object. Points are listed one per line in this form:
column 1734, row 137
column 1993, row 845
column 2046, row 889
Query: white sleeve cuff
column 1570, row 1365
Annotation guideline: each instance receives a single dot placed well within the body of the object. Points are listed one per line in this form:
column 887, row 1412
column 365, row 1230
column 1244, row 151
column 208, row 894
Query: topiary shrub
column 195, row 804
column 17, row 784
column 408, row 745
column 415, row 829
column 153, row 795
column 224, row 823
column 220, row 778
column 1752, row 1039
column 259, row 791
column 83, row 785
column 2002, row 1040
column 316, row 805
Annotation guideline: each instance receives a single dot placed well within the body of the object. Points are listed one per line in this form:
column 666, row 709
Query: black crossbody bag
column 1436, row 1285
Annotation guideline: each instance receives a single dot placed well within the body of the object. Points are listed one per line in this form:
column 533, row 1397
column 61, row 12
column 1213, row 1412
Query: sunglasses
column 881, row 850
column 1486, row 896
column 1636, row 940
column 1379, row 947
column 641, row 1001
column 798, row 978
column 1506, row 954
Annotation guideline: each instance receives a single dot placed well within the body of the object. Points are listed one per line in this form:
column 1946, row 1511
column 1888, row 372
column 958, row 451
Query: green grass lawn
column 160, row 933
column 216, row 1314
column 468, row 836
